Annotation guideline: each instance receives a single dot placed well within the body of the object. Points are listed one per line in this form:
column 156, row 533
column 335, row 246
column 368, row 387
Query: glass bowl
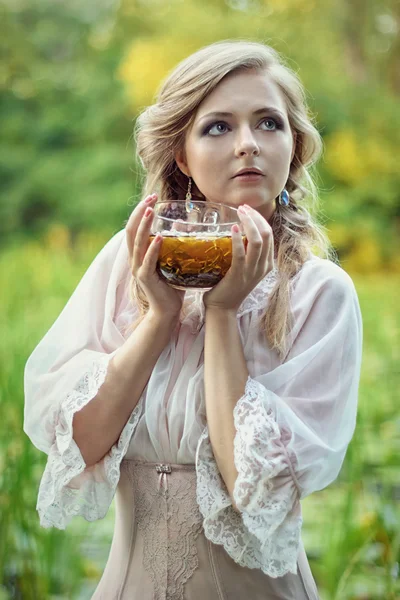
column 196, row 251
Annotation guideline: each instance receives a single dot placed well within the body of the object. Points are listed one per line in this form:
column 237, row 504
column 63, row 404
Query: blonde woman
column 209, row 415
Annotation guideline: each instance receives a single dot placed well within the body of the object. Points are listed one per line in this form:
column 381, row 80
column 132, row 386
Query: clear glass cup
column 196, row 251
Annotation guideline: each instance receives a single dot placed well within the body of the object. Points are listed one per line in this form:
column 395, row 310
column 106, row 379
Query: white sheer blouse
column 293, row 423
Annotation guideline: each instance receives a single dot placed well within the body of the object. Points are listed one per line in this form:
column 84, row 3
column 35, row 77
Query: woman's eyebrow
column 218, row 114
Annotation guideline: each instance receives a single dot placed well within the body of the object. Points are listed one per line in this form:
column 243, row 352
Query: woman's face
column 242, row 124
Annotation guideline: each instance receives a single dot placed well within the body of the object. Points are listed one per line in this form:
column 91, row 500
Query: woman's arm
column 98, row 425
column 291, row 426
column 225, row 376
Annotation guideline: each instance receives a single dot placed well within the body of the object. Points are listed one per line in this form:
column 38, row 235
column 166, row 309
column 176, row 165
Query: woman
column 218, row 411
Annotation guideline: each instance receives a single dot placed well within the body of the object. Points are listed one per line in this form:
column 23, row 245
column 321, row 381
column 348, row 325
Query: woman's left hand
column 249, row 266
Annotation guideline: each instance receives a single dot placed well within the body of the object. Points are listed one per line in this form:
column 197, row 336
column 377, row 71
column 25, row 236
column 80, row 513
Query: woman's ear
column 180, row 160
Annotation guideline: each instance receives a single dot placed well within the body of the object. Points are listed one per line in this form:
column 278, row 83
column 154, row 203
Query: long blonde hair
column 160, row 133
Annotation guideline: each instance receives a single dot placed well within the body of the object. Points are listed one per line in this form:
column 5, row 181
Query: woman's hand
column 249, row 266
column 163, row 299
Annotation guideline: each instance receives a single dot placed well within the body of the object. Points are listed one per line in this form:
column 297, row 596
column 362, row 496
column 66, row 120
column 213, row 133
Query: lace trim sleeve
column 68, row 488
column 265, row 533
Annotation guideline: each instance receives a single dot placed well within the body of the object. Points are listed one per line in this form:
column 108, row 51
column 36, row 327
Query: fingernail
column 242, row 209
column 147, row 212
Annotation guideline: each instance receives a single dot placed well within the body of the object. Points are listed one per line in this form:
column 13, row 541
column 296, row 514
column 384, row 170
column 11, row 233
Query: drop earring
column 189, row 191
column 284, row 197
column 188, row 199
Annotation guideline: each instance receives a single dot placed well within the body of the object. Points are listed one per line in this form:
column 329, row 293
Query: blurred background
column 73, row 77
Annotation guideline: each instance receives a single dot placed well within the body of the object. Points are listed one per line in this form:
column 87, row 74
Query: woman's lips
column 249, row 177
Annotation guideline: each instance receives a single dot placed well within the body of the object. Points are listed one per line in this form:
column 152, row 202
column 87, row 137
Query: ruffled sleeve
column 63, row 373
column 293, row 426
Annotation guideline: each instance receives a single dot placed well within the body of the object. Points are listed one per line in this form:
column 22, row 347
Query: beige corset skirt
column 159, row 550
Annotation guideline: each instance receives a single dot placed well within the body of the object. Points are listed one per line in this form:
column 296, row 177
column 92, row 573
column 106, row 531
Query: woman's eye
column 271, row 124
column 216, row 129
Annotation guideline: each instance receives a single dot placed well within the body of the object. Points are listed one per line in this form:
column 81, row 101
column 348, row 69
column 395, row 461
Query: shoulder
column 109, row 266
column 115, row 244
column 323, row 276
column 113, row 253
column 324, row 297
column 324, row 288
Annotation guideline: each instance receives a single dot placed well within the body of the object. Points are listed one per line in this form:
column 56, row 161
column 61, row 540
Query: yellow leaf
column 351, row 158
column 343, row 158
column 147, row 63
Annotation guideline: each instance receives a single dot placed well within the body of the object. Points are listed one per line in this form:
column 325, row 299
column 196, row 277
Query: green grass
column 351, row 530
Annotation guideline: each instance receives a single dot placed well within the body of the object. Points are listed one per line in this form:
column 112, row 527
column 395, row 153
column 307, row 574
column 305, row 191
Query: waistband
column 162, row 468
column 154, row 465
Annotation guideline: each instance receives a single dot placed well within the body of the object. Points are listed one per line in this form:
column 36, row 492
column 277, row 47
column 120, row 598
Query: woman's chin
column 254, row 200
column 258, row 201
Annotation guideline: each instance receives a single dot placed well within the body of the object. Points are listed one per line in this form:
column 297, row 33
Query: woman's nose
column 246, row 144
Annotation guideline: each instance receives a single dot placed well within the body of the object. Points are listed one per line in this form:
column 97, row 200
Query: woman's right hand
column 163, row 299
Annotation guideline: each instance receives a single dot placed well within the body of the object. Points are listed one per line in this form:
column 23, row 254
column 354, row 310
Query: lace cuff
column 265, row 534
column 68, row 488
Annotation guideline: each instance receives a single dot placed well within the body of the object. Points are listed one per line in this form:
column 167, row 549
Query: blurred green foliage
column 75, row 75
